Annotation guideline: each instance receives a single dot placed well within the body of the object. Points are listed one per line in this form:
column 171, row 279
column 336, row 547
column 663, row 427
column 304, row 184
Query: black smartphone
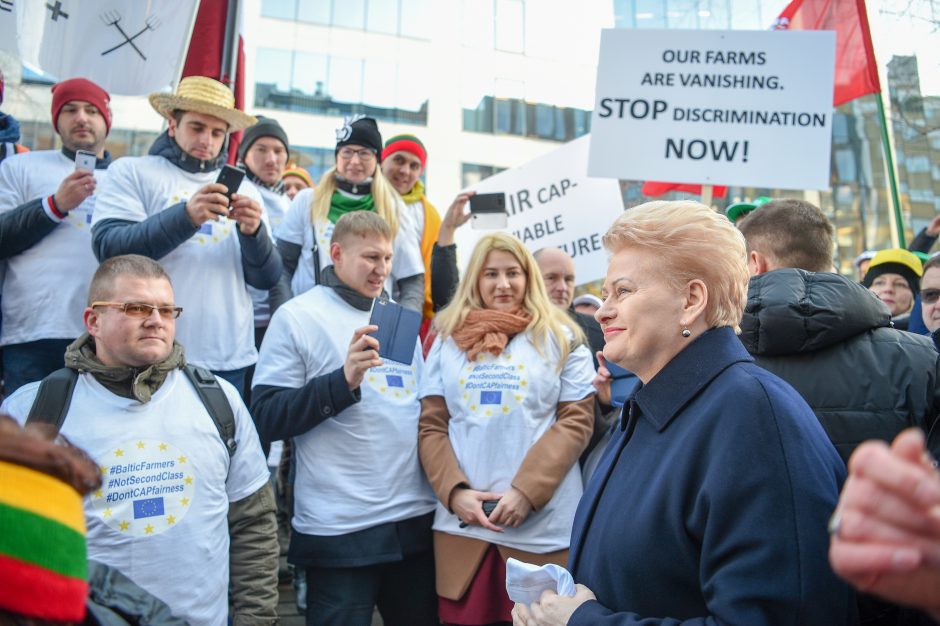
column 489, row 210
column 488, row 507
column 232, row 178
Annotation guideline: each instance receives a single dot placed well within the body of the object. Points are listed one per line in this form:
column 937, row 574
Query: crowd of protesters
column 195, row 388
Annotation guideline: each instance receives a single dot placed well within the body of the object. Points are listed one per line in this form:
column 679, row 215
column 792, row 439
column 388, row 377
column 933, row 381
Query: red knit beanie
column 80, row 89
column 405, row 143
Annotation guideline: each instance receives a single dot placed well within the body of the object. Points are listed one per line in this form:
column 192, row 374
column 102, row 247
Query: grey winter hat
column 266, row 127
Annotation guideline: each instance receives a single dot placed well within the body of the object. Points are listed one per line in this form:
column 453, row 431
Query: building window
column 406, row 18
column 472, row 173
column 333, row 85
column 510, row 26
column 513, row 116
column 315, row 160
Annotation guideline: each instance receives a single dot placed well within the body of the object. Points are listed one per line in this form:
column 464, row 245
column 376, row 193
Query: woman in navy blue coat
column 711, row 503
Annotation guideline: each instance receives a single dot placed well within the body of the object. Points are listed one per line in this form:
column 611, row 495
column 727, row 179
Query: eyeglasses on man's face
column 929, row 296
column 141, row 310
column 364, row 154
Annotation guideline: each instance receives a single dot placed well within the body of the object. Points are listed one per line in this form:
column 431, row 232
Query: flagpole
column 229, row 60
column 892, row 177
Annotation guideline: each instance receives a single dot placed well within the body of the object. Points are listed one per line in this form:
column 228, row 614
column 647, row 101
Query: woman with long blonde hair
column 507, row 407
column 355, row 183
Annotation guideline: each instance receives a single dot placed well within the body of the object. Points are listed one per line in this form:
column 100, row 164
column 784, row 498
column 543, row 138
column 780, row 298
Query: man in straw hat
column 46, row 204
column 167, row 206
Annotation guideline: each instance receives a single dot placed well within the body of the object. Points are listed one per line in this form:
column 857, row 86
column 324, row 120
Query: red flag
column 653, row 189
column 204, row 57
column 856, row 70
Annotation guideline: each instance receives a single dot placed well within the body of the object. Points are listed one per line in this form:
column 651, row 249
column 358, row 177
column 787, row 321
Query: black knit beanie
column 266, row 127
column 913, row 280
column 360, row 131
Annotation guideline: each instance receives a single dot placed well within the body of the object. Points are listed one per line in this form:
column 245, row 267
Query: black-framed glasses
column 929, row 296
column 142, row 310
column 365, row 155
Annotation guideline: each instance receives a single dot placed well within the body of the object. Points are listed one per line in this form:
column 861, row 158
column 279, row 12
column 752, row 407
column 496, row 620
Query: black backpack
column 55, row 395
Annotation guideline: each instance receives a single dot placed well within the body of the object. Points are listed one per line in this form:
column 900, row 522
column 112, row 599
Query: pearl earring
column 686, row 333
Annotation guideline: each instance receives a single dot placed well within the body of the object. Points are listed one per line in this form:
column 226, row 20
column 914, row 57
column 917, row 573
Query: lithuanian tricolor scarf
column 43, row 567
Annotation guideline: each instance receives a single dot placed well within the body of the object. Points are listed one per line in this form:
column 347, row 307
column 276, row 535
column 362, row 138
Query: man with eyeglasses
column 213, row 241
column 176, row 501
column 828, row 336
column 930, row 297
column 47, row 198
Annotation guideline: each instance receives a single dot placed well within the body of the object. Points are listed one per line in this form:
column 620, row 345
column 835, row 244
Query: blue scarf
column 9, row 129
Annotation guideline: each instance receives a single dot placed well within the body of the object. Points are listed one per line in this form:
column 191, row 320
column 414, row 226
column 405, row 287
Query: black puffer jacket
column 828, row 336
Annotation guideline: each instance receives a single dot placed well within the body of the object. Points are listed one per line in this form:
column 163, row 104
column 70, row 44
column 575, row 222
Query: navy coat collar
column 685, row 376
column 659, row 402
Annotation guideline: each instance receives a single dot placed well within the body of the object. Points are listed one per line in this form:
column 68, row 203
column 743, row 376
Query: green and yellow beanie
column 43, row 567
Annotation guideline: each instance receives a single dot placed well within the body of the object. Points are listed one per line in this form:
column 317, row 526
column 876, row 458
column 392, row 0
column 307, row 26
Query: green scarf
column 341, row 204
column 127, row 382
column 415, row 194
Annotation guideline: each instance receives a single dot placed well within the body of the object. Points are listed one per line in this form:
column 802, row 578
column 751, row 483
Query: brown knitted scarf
column 488, row 330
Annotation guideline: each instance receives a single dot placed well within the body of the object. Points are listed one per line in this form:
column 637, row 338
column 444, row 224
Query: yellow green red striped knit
column 43, row 566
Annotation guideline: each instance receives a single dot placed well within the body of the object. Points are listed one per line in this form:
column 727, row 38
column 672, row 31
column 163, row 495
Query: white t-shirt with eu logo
column 161, row 515
column 499, row 407
column 360, row 468
column 296, row 229
column 46, row 286
column 217, row 325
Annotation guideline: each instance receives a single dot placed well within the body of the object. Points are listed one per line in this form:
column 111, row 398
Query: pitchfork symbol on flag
column 129, row 47
column 113, row 18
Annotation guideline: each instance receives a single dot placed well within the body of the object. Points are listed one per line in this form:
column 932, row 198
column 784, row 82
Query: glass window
column 472, row 173
column 415, row 19
column 650, row 13
column 309, row 74
column 382, row 16
column 317, row 11
column 273, row 68
column 412, row 91
column 379, row 85
column 345, row 84
column 285, row 9
column 477, row 23
column 510, row 25
column 349, row 13
column 623, row 14
column 918, row 163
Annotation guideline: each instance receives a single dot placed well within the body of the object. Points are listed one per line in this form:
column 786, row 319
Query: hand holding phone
column 488, row 211
column 85, row 160
column 231, row 178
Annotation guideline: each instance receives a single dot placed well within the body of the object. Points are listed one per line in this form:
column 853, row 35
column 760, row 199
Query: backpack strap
column 316, row 256
column 216, row 403
column 53, row 398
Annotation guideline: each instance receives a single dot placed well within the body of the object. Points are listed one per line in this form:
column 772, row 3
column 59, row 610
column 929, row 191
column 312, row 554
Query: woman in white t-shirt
column 356, row 183
column 507, row 407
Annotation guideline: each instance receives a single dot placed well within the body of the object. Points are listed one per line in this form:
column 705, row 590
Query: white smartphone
column 488, row 211
column 85, row 160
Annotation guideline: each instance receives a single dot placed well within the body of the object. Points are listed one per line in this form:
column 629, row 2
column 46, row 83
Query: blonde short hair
column 360, row 224
column 548, row 321
column 689, row 241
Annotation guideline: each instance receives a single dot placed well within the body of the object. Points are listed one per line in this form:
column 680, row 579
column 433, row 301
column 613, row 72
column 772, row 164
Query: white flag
column 129, row 47
column 8, row 25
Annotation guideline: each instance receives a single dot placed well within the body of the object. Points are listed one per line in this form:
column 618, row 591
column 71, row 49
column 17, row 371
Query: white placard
column 552, row 202
column 749, row 108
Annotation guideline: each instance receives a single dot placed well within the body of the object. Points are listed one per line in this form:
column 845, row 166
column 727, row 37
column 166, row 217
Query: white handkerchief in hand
column 526, row 582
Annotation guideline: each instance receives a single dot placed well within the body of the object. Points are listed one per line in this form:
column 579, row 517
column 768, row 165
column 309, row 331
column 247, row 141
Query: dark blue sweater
column 711, row 506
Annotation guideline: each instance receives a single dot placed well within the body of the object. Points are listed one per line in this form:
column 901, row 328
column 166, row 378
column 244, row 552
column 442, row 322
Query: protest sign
column 749, row 108
column 551, row 202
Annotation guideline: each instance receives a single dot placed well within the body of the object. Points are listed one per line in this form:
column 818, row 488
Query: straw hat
column 202, row 95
